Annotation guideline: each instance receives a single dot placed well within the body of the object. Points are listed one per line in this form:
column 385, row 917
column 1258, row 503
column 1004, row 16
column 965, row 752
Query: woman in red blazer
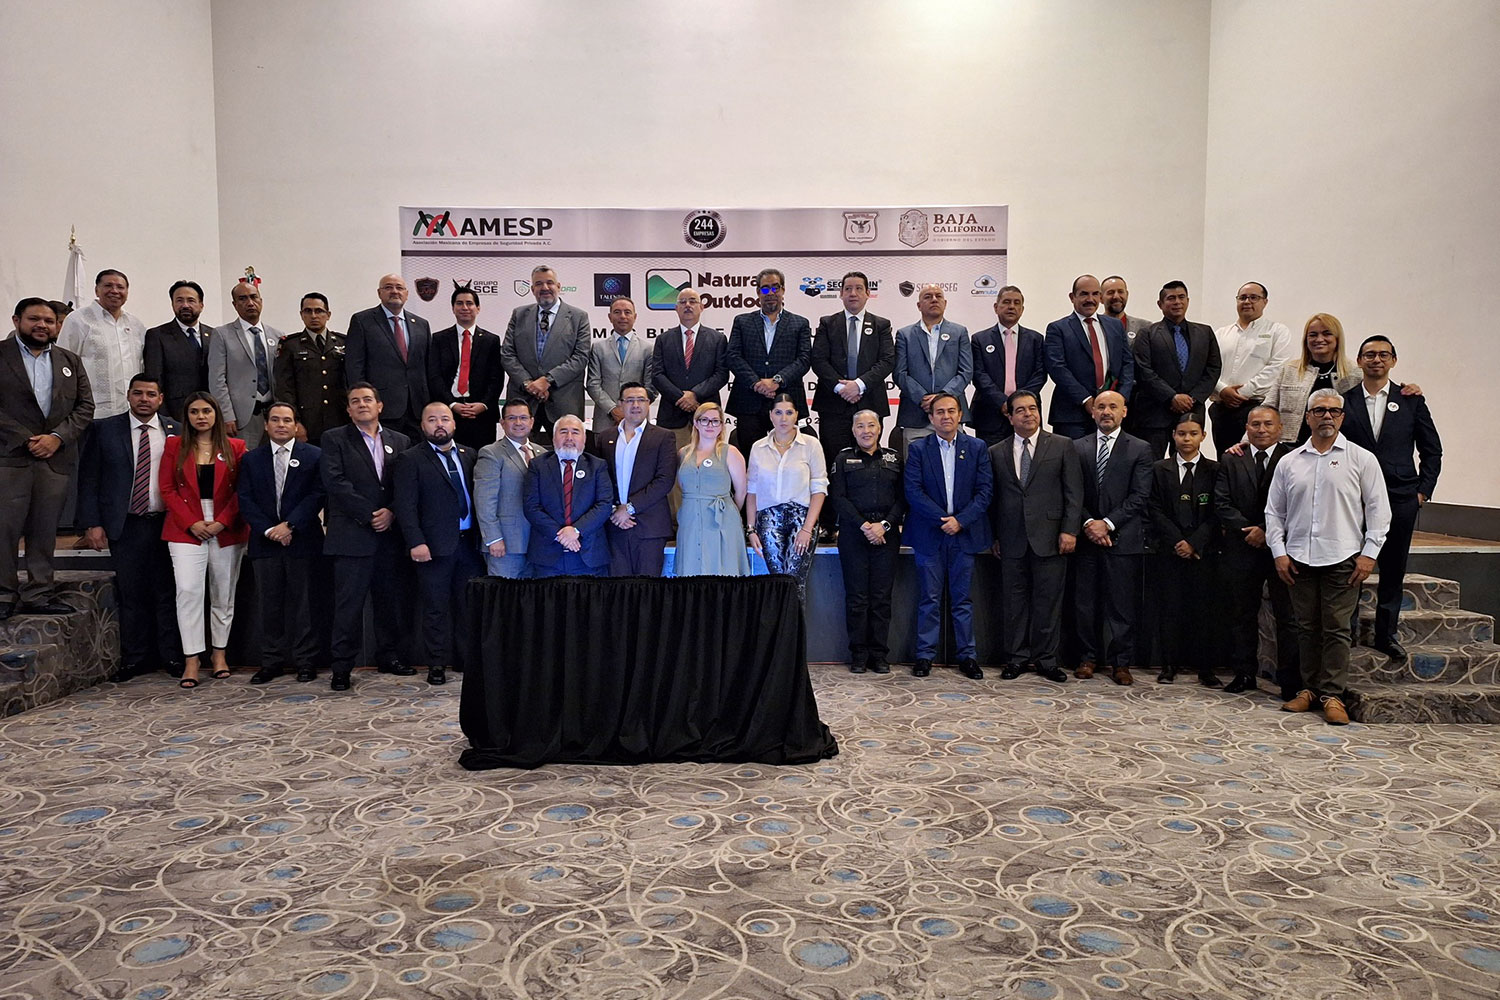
column 204, row 532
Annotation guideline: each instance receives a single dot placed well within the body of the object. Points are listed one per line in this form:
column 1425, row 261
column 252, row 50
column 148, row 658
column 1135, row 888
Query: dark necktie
column 140, row 486
column 1187, row 506
column 1182, row 347
column 400, row 336
column 262, row 372
column 1098, row 355
column 192, row 333
column 853, row 346
column 458, row 484
column 567, row 491
column 543, row 321
column 1260, row 469
column 1026, row 461
column 1102, row 462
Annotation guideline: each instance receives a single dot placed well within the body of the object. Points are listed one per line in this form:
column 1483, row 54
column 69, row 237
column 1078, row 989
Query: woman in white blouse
column 788, row 481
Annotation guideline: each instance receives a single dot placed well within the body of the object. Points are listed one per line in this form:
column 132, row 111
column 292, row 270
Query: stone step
column 1426, row 703
column 1419, row 593
column 32, row 676
column 73, row 651
column 1447, row 626
column 1466, row 663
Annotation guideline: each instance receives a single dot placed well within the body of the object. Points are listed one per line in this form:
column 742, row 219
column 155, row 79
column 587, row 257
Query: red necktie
column 400, row 336
column 463, row 366
column 687, row 350
column 1098, row 355
column 567, row 491
column 140, row 486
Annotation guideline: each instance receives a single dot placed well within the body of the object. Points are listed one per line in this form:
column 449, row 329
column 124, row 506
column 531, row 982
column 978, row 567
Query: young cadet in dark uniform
column 865, row 485
column 1185, row 524
column 310, row 370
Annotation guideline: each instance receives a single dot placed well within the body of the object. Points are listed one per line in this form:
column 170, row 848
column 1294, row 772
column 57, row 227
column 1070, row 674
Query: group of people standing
column 421, row 469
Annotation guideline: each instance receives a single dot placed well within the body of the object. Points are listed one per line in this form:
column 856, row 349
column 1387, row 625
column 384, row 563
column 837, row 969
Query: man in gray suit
column 499, row 482
column 615, row 360
column 918, row 376
column 546, row 353
column 241, row 366
column 1116, row 294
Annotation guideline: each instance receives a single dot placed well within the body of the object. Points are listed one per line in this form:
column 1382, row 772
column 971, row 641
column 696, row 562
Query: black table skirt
column 629, row 671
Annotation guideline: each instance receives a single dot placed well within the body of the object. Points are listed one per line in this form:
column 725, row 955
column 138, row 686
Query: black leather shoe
column 398, row 668
column 1010, row 672
column 1057, row 674
column 1167, row 675
column 880, row 666
column 1209, row 679
column 47, row 608
column 435, row 675
column 922, row 668
column 970, row 669
column 264, row 676
column 1391, row 648
column 1241, row 684
column 340, row 682
column 857, row 668
column 305, row 674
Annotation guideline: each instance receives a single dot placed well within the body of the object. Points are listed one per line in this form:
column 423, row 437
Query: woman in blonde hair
column 711, row 475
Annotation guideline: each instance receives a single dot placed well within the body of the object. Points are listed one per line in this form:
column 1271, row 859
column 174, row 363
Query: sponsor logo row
column 719, row 291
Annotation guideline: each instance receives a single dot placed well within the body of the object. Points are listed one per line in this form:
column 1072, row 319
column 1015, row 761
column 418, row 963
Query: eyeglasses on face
column 1380, row 355
column 1327, row 411
column 708, row 421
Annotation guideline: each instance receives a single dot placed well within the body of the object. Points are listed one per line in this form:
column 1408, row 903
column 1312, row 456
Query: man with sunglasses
column 769, row 352
column 1326, row 518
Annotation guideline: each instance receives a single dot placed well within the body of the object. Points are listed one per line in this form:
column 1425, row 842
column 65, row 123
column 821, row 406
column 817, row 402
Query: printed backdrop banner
column 651, row 254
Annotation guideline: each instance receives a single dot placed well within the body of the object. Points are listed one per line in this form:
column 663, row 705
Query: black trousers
column 286, row 634
column 1031, row 602
column 869, row 574
column 145, row 590
column 443, row 584
column 750, row 428
column 992, row 438
column 1187, row 617
column 1158, row 439
column 1108, row 595
column 1391, row 564
column 379, row 578
column 1228, row 423
column 1245, row 573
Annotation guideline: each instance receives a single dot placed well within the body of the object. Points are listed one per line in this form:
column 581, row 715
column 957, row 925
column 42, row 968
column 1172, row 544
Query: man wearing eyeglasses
column 1326, row 518
column 769, row 352
column 1393, row 426
column 1252, row 350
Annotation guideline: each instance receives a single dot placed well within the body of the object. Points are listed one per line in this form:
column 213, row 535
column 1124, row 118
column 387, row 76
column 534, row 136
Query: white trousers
column 207, row 573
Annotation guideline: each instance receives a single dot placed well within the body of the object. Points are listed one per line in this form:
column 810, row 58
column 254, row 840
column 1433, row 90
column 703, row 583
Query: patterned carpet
column 972, row 840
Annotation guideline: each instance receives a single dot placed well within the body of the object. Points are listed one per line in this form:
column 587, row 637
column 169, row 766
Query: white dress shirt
column 473, row 332
column 793, row 477
column 1018, row 446
column 1253, row 355
column 112, row 351
column 1325, row 507
column 625, row 452
column 1114, row 442
column 276, row 452
column 859, row 319
column 934, row 342
column 158, row 439
column 1375, row 407
column 948, row 455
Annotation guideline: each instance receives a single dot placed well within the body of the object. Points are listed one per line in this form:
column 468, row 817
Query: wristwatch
column 630, row 508
column 886, row 525
column 776, row 379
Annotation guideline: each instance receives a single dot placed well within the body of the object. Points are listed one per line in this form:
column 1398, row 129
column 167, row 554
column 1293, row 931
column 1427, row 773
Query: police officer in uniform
column 865, row 485
column 310, row 370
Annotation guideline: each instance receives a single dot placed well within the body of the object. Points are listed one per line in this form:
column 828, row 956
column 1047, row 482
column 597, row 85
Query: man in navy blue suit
column 948, row 488
column 1086, row 354
column 281, row 493
column 1393, row 426
column 434, row 507
column 1007, row 358
column 769, row 352
column 569, row 497
column 120, row 506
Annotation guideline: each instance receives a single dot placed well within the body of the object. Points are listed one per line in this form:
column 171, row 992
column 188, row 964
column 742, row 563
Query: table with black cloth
column 634, row 670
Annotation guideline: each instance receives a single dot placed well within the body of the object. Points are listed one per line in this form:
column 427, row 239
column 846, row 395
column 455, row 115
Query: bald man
column 386, row 346
column 241, row 366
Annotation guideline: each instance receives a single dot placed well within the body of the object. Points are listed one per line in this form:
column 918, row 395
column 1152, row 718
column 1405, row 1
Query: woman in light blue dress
column 710, row 532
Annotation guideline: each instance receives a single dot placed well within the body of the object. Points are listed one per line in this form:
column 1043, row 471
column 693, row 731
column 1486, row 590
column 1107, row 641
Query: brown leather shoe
column 1302, row 703
column 1122, row 677
column 1334, row 713
column 1085, row 670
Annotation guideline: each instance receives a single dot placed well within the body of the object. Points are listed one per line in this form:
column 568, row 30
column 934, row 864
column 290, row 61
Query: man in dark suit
column 1176, row 369
column 176, row 353
column 310, row 370
column 387, row 347
column 1393, row 428
column 642, row 461
column 769, row 352
column 568, row 498
column 466, row 372
column 1086, row 354
column 546, row 353
column 281, row 494
column 435, row 511
column 1246, row 567
column 1008, row 358
column 358, row 469
column 1116, row 483
column 45, row 406
column 948, row 488
column 120, row 508
column 1035, row 520
column 689, row 365
column 1185, row 526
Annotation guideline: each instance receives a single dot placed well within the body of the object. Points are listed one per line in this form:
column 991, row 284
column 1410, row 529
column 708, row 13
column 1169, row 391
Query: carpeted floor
column 979, row 840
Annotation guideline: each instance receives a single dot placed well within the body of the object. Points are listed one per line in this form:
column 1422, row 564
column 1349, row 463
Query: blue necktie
column 458, row 483
column 1182, row 348
column 624, row 346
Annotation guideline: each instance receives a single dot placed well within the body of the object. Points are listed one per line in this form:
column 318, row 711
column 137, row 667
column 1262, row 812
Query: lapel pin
column 708, row 463
column 579, row 474
column 944, row 337
column 989, row 348
column 68, row 373
column 294, row 463
column 389, row 450
column 1393, row 406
